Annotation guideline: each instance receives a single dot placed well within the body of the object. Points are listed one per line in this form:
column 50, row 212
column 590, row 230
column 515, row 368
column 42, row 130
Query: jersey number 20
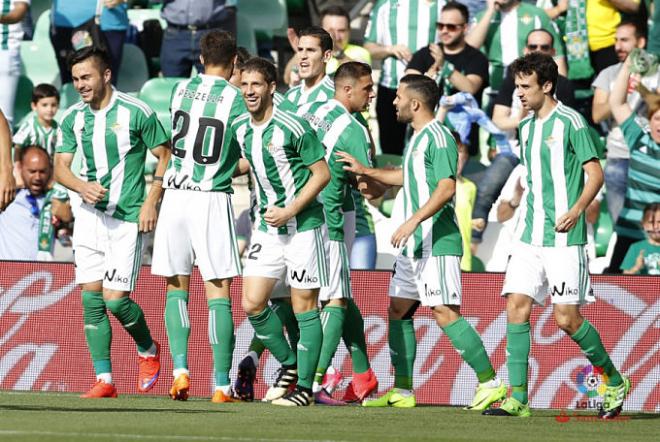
column 206, row 125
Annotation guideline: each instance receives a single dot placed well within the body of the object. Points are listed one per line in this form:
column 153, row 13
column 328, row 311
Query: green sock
column 518, row 343
column 256, row 346
column 177, row 325
column 221, row 338
column 309, row 347
column 469, row 345
column 354, row 338
column 130, row 315
column 284, row 311
column 403, row 349
column 268, row 328
column 332, row 325
column 588, row 339
column 97, row 331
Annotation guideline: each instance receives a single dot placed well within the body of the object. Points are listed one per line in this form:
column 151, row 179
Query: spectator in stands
column 40, row 128
column 187, row 21
column 393, row 33
column 11, row 34
column 502, row 29
column 7, row 181
column 643, row 257
column 629, row 35
column 507, row 113
column 27, row 225
column 644, row 144
column 68, row 19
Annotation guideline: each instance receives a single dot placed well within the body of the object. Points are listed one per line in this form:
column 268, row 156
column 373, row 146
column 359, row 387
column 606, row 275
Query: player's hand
column 7, row 188
column 405, row 230
column 92, row 192
column 148, row 217
column 639, row 262
column 437, row 54
column 293, row 38
column 402, row 52
column 352, row 164
column 567, row 221
column 277, row 216
column 369, row 188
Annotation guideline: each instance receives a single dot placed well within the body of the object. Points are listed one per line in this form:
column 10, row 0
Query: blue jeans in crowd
column 616, row 181
column 490, row 186
column 363, row 254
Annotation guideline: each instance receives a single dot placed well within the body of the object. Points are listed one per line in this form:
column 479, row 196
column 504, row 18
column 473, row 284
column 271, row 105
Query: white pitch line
column 151, row 436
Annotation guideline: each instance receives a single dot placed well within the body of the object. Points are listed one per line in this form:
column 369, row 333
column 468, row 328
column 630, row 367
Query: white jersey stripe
column 423, row 194
column 98, row 141
column 537, row 188
column 559, row 177
column 78, row 125
column 123, row 135
column 331, row 137
column 402, row 22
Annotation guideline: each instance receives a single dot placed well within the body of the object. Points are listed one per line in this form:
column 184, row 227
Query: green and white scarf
column 577, row 41
column 46, row 230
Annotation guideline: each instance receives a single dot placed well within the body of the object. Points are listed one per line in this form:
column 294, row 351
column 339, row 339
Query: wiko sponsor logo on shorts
column 563, row 290
column 303, row 277
column 112, row 276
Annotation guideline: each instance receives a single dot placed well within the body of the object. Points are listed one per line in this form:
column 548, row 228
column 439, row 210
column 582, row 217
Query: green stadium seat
column 265, row 15
column 39, row 62
column 477, row 265
column 246, row 36
column 68, row 96
column 133, row 71
column 42, row 27
column 138, row 16
column 23, row 99
column 157, row 93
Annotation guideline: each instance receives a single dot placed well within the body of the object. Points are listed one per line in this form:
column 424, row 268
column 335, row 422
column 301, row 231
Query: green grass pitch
column 65, row 417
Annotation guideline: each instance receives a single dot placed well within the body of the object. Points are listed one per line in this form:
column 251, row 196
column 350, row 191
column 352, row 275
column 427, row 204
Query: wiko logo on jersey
column 114, row 277
column 431, row 292
column 564, row 290
column 303, row 277
column 183, row 183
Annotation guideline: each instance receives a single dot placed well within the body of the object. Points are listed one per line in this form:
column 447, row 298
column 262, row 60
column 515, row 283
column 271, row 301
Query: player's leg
column 568, row 277
column 221, row 335
column 177, row 324
column 364, row 381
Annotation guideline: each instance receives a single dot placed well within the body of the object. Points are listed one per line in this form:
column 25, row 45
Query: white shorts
column 196, row 227
column 106, row 249
column 561, row 271
column 299, row 258
column 435, row 280
column 339, row 284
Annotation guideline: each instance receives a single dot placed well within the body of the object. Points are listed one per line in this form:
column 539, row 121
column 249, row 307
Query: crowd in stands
column 607, row 53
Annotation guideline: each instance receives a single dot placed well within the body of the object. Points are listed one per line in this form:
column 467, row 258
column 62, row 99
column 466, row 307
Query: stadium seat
column 138, row 16
column 133, row 72
column 246, row 36
column 42, row 27
column 157, row 93
column 23, row 98
column 68, row 96
column 264, row 15
column 39, row 62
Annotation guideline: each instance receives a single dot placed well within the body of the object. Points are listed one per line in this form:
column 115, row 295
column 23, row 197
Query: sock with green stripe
column 268, row 328
column 221, row 338
column 469, row 345
column 130, row 315
column 518, row 343
column 332, row 325
column 403, row 349
column 283, row 309
column 354, row 338
column 98, row 332
column 588, row 339
column 309, row 347
column 256, row 346
column 177, row 324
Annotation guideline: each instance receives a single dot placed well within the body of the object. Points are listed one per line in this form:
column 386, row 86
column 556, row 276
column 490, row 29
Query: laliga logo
column 591, row 381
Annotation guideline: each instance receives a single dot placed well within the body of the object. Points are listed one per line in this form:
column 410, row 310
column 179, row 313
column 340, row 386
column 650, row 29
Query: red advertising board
column 42, row 345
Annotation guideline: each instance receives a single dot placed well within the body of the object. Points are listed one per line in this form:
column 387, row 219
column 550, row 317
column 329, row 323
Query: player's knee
column 567, row 321
column 518, row 308
column 446, row 314
column 251, row 307
column 402, row 310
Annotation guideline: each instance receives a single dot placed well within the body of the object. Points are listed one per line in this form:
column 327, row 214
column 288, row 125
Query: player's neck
column 218, row 71
column 455, row 48
column 103, row 101
column 548, row 106
column 43, row 123
column 313, row 81
column 259, row 118
column 421, row 119
column 653, row 242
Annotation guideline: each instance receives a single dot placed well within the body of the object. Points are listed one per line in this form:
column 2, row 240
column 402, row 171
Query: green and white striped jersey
column 114, row 142
column 553, row 150
column 31, row 133
column 204, row 157
column 507, row 35
column 11, row 35
column 323, row 91
column 364, row 222
column 411, row 23
column 280, row 101
column 338, row 131
column 431, row 155
column 279, row 152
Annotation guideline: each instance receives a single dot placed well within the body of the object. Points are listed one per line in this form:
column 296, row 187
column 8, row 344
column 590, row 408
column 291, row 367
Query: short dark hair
column 352, row 70
column 552, row 37
column 424, row 87
column 99, row 55
column 641, row 29
column 44, row 90
column 456, row 6
column 336, row 10
column 318, row 32
column 262, row 66
column 542, row 64
column 242, row 55
column 218, row 48
column 27, row 149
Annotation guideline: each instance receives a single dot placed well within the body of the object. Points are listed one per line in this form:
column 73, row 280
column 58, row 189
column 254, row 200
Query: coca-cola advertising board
column 42, row 345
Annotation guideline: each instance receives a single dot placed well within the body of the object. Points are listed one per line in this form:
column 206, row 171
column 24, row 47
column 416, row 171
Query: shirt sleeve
column 632, row 131
column 66, row 139
column 309, row 147
column 22, row 137
column 583, row 144
column 421, row 60
column 478, row 65
column 442, row 161
column 152, row 132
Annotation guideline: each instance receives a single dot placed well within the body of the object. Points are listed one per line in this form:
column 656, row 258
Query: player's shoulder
column 240, row 121
column 526, row 121
column 133, row 103
column 290, row 121
column 439, row 136
column 71, row 112
column 571, row 117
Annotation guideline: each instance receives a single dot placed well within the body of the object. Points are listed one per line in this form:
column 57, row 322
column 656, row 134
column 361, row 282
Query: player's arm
column 380, row 52
column 7, row 182
column 593, row 184
column 15, row 15
column 149, row 210
column 442, row 194
column 242, row 167
column 91, row 192
column 618, row 104
column 626, row 6
column 477, row 35
column 320, row 176
column 600, row 105
column 505, row 119
column 390, row 177
column 62, row 210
